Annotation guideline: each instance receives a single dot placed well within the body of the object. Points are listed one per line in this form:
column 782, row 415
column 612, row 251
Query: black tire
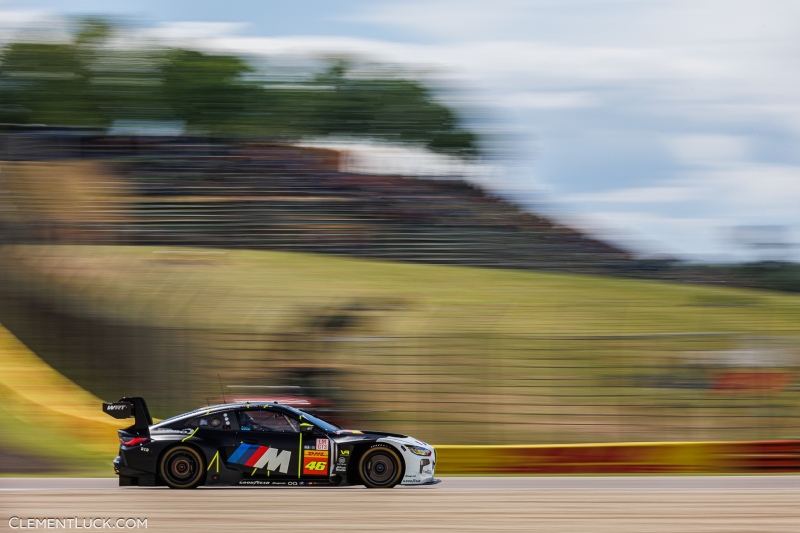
column 182, row 467
column 380, row 467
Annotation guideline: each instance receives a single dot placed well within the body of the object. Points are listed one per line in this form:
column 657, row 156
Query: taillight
column 135, row 441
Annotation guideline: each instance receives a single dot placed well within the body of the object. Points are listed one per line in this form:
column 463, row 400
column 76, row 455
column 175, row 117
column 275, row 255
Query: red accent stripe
column 256, row 456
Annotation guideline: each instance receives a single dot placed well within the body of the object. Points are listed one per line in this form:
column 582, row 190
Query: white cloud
column 650, row 234
column 708, row 150
column 14, row 20
column 178, row 31
column 632, row 23
column 755, row 191
column 548, row 100
column 637, row 195
column 704, row 85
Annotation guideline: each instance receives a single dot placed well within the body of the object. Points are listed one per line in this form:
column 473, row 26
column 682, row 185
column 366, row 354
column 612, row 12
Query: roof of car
column 220, row 407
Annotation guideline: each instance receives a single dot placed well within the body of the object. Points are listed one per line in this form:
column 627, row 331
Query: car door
column 268, row 445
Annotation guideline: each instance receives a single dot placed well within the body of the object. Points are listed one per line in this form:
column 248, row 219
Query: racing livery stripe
column 237, row 454
column 257, row 454
column 251, row 449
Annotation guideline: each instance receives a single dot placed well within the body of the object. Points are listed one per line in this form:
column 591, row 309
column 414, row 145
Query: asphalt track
column 691, row 504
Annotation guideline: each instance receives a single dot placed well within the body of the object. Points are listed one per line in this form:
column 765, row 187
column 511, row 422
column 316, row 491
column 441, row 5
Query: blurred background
column 482, row 232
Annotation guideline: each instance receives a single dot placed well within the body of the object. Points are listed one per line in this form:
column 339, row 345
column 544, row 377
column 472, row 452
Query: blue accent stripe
column 247, row 454
column 241, row 450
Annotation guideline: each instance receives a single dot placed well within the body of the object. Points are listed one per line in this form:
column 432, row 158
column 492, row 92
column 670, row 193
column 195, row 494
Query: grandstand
column 272, row 196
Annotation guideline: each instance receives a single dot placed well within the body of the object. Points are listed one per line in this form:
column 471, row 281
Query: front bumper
column 419, row 469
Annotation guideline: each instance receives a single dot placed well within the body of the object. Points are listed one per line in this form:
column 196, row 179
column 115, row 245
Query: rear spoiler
column 133, row 407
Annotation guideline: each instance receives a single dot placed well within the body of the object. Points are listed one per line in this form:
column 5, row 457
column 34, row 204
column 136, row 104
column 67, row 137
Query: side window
column 212, row 421
column 267, row 420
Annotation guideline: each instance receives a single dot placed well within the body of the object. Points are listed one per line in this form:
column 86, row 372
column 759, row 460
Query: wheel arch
column 172, row 445
column 354, row 476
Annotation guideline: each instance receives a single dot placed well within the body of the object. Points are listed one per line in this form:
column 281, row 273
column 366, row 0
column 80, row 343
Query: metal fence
column 499, row 389
column 473, row 388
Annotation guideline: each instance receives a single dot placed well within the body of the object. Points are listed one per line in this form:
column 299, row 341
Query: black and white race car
column 261, row 444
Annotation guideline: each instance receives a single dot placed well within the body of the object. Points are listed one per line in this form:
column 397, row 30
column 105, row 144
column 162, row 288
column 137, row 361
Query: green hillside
column 268, row 291
column 435, row 351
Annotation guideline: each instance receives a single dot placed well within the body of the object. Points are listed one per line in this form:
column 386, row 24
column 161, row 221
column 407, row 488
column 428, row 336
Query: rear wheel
column 380, row 467
column 181, row 467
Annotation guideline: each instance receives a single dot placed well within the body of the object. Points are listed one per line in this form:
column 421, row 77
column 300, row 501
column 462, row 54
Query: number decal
column 315, row 462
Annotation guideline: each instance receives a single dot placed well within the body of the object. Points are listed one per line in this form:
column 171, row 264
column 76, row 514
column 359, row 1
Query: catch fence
column 537, row 389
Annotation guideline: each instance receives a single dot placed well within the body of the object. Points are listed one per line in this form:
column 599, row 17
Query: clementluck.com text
column 16, row 522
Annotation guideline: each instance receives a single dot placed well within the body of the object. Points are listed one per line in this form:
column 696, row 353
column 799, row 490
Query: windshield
column 320, row 423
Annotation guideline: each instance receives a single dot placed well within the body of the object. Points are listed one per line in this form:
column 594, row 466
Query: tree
column 77, row 83
column 388, row 108
column 87, row 82
column 209, row 92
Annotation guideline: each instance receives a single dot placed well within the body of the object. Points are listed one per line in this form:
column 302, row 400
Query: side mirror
column 305, row 427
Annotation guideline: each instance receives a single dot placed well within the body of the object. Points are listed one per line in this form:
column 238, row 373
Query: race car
column 261, row 444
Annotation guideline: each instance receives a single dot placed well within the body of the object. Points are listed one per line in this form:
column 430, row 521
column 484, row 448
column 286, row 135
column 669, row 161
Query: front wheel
column 380, row 468
column 181, row 467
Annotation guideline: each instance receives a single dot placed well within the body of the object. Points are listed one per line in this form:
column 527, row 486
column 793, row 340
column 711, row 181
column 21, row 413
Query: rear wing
column 133, row 407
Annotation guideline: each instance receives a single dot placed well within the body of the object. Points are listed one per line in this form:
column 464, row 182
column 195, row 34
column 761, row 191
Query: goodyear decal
column 315, row 462
column 261, row 457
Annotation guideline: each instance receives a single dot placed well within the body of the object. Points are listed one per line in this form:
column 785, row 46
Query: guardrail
column 622, row 458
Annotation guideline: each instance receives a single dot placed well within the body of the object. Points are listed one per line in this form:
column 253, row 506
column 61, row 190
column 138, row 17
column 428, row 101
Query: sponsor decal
column 340, row 468
column 308, row 447
column 322, row 444
column 342, row 460
column 191, row 435
column 315, row 462
column 261, row 457
column 344, row 453
column 116, row 407
column 316, row 453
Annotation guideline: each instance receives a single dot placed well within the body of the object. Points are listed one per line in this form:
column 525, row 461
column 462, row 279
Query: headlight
column 419, row 450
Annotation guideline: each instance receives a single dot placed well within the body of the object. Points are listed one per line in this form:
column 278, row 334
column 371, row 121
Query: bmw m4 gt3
column 261, row 444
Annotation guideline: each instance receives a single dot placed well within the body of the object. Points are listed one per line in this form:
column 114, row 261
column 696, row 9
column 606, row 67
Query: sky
column 670, row 127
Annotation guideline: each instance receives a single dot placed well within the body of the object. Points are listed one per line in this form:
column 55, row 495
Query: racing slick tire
column 181, row 467
column 380, row 467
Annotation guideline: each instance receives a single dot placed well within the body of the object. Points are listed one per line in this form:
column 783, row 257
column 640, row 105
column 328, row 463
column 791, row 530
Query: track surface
column 729, row 504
